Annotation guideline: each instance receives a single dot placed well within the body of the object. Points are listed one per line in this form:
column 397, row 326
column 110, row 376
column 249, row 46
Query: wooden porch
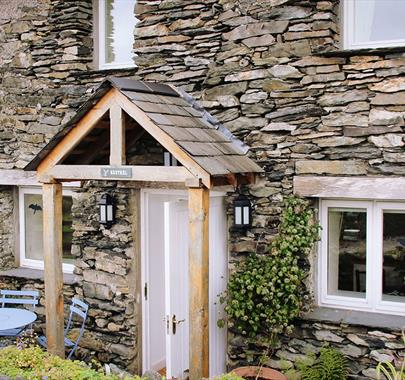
column 93, row 146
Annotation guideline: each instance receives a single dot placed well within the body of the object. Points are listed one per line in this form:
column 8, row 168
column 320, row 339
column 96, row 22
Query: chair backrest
column 78, row 310
column 19, row 297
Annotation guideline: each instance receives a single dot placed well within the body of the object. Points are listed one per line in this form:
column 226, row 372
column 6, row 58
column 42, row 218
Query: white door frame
column 144, row 239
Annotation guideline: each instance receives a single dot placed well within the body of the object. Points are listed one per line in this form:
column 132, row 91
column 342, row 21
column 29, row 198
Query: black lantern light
column 107, row 214
column 242, row 213
column 169, row 159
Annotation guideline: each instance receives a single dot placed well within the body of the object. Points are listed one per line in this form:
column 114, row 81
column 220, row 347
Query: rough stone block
column 255, row 29
column 331, row 167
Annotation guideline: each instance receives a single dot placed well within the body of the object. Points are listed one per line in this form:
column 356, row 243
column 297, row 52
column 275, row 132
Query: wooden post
column 52, row 212
column 198, row 282
column 117, row 140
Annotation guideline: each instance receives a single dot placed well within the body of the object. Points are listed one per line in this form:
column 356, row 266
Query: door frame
column 144, row 262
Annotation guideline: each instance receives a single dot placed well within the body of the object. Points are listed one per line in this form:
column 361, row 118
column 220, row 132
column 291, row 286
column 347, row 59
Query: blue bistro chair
column 78, row 312
column 18, row 298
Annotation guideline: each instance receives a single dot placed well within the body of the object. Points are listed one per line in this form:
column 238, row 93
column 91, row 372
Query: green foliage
column 330, row 365
column 386, row 370
column 389, row 372
column 229, row 376
column 34, row 364
column 266, row 292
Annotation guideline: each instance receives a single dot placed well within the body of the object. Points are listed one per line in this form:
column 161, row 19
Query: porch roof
column 178, row 115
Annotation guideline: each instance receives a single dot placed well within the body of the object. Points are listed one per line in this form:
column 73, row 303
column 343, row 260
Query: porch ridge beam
column 199, row 282
column 167, row 174
column 52, row 238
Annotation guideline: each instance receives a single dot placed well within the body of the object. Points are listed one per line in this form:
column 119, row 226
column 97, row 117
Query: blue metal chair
column 78, row 310
column 20, row 298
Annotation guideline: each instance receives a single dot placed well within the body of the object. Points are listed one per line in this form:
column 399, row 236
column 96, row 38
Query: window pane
column 378, row 20
column 120, row 22
column 393, row 255
column 67, row 231
column 347, row 252
column 34, row 229
column 33, row 226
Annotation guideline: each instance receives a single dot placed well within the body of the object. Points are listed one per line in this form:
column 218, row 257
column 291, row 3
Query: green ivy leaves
column 266, row 292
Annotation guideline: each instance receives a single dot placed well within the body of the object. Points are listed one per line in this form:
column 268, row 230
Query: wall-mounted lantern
column 106, row 209
column 242, row 213
column 169, row 159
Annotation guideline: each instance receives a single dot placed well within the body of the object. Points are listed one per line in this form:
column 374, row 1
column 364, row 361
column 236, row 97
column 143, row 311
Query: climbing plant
column 266, row 292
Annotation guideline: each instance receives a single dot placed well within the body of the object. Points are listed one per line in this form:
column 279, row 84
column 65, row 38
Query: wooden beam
column 52, row 212
column 199, row 282
column 134, row 277
column 162, row 137
column 73, row 138
column 18, row 178
column 151, row 185
column 117, row 140
column 388, row 188
column 139, row 173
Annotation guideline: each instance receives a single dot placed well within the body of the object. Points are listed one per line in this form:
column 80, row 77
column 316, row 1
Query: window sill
column 364, row 51
column 35, row 274
column 111, row 70
column 354, row 317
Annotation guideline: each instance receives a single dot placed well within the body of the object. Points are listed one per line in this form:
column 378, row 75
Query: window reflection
column 347, row 252
column 393, row 256
column 120, row 22
column 33, row 216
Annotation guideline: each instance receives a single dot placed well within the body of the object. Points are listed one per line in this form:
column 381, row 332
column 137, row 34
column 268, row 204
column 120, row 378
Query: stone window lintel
column 35, row 274
column 354, row 317
column 365, row 51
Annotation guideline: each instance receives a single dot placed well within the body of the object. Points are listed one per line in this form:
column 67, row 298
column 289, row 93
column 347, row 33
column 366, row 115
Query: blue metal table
column 13, row 318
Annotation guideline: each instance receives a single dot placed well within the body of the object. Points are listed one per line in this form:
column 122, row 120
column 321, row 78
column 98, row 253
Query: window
column 373, row 23
column 362, row 255
column 31, row 230
column 115, row 33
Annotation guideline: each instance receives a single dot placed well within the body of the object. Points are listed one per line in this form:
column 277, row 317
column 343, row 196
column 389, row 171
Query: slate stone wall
column 7, row 238
column 270, row 70
column 46, row 72
column 363, row 347
column 106, row 272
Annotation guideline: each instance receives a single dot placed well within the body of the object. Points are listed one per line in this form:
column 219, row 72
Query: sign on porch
column 116, row 172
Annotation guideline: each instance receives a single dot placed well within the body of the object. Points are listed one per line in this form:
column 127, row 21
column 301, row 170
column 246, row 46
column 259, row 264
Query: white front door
column 165, row 280
column 176, row 288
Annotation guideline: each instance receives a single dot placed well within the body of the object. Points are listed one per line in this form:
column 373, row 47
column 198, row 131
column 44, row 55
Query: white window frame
column 373, row 300
column 25, row 262
column 348, row 27
column 100, row 40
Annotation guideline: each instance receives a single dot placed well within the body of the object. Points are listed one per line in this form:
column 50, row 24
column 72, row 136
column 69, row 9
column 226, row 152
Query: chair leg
column 72, row 351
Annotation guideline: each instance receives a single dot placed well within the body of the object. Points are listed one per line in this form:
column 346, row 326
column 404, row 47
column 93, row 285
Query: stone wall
column 270, row 70
column 363, row 347
column 46, row 72
column 106, row 274
column 7, row 237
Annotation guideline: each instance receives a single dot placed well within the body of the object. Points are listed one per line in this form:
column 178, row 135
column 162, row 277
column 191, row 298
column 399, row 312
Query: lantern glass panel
column 246, row 215
column 238, row 215
column 110, row 215
column 103, row 214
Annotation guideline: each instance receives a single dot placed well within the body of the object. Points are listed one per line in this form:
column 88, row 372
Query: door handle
column 175, row 322
column 167, row 320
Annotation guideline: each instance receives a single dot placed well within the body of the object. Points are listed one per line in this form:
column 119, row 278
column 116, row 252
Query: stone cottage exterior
column 319, row 102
